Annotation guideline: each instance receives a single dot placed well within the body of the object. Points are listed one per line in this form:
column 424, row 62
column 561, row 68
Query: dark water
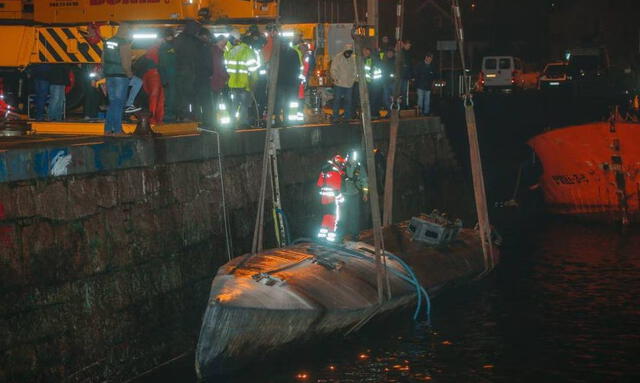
column 561, row 307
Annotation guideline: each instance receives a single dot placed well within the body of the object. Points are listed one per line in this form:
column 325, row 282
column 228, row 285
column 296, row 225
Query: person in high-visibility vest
column 388, row 77
column 330, row 182
column 257, row 42
column 373, row 76
column 241, row 62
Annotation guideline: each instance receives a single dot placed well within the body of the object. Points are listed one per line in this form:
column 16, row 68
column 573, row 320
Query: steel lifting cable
column 474, row 149
column 408, row 276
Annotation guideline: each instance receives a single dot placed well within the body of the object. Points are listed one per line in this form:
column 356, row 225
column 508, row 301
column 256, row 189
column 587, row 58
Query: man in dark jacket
column 188, row 47
column 407, row 72
column 219, row 78
column 92, row 97
column 424, row 80
column 203, row 105
column 41, row 84
column 167, row 69
column 388, row 76
column 288, row 81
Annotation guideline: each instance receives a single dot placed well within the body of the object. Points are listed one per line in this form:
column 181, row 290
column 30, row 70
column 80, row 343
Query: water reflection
column 562, row 307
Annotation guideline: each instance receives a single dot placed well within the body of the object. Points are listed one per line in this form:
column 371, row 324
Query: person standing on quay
column 116, row 65
column 167, row 69
column 58, row 80
column 424, row 81
column 219, row 78
column 343, row 73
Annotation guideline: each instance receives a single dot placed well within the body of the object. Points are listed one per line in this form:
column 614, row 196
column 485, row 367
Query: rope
column 410, row 277
column 227, row 230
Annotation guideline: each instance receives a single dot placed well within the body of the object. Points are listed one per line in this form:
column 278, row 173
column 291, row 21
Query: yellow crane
column 60, row 31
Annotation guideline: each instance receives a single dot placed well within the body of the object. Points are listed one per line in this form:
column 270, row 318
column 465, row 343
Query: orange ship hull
column 592, row 170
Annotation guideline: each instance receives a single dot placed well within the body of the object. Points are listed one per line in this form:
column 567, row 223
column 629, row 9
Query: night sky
column 536, row 30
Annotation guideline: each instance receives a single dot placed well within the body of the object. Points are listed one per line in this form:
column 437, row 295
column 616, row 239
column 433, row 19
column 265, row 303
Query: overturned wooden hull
column 306, row 291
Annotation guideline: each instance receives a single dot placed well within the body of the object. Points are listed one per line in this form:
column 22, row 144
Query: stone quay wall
column 108, row 246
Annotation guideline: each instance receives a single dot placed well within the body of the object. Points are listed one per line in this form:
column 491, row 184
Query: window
column 505, row 63
column 553, row 71
column 490, row 63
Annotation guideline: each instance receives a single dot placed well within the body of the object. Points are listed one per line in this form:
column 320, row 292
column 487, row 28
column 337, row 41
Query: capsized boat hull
column 591, row 171
column 306, row 291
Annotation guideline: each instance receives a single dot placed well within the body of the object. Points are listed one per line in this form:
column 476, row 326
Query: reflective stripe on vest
column 112, row 65
column 371, row 72
column 240, row 61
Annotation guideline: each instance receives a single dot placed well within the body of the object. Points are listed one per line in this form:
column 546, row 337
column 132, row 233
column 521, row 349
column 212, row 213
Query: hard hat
column 338, row 160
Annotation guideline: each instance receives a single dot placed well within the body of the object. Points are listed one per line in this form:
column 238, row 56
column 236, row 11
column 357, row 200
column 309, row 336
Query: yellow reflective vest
column 372, row 70
column 241, row 62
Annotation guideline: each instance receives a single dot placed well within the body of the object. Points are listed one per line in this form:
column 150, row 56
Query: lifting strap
column 474, row 150
column 381, row 270
column 394, row 123
column 258, row 231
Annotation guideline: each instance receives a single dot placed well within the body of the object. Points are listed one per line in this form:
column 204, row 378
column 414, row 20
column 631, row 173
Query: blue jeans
column 56, row 102
column 338, row 93
column 424, row 101
column 42, row 92
column 117, row 90
column 136, row 84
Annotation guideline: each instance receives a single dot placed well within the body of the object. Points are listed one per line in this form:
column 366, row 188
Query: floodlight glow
column 143, row 36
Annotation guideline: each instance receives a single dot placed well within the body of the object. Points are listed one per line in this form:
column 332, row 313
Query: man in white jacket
column 343, row 73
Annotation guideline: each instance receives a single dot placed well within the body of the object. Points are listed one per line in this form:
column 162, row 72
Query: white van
column 501, row 72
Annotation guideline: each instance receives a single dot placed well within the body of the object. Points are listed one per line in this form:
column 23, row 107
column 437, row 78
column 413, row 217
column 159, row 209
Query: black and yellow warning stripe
column 66, row 45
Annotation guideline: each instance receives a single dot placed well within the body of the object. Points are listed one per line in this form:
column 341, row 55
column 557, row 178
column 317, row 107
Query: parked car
column 501, row 73
column 588, row 72
column 554, row 76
